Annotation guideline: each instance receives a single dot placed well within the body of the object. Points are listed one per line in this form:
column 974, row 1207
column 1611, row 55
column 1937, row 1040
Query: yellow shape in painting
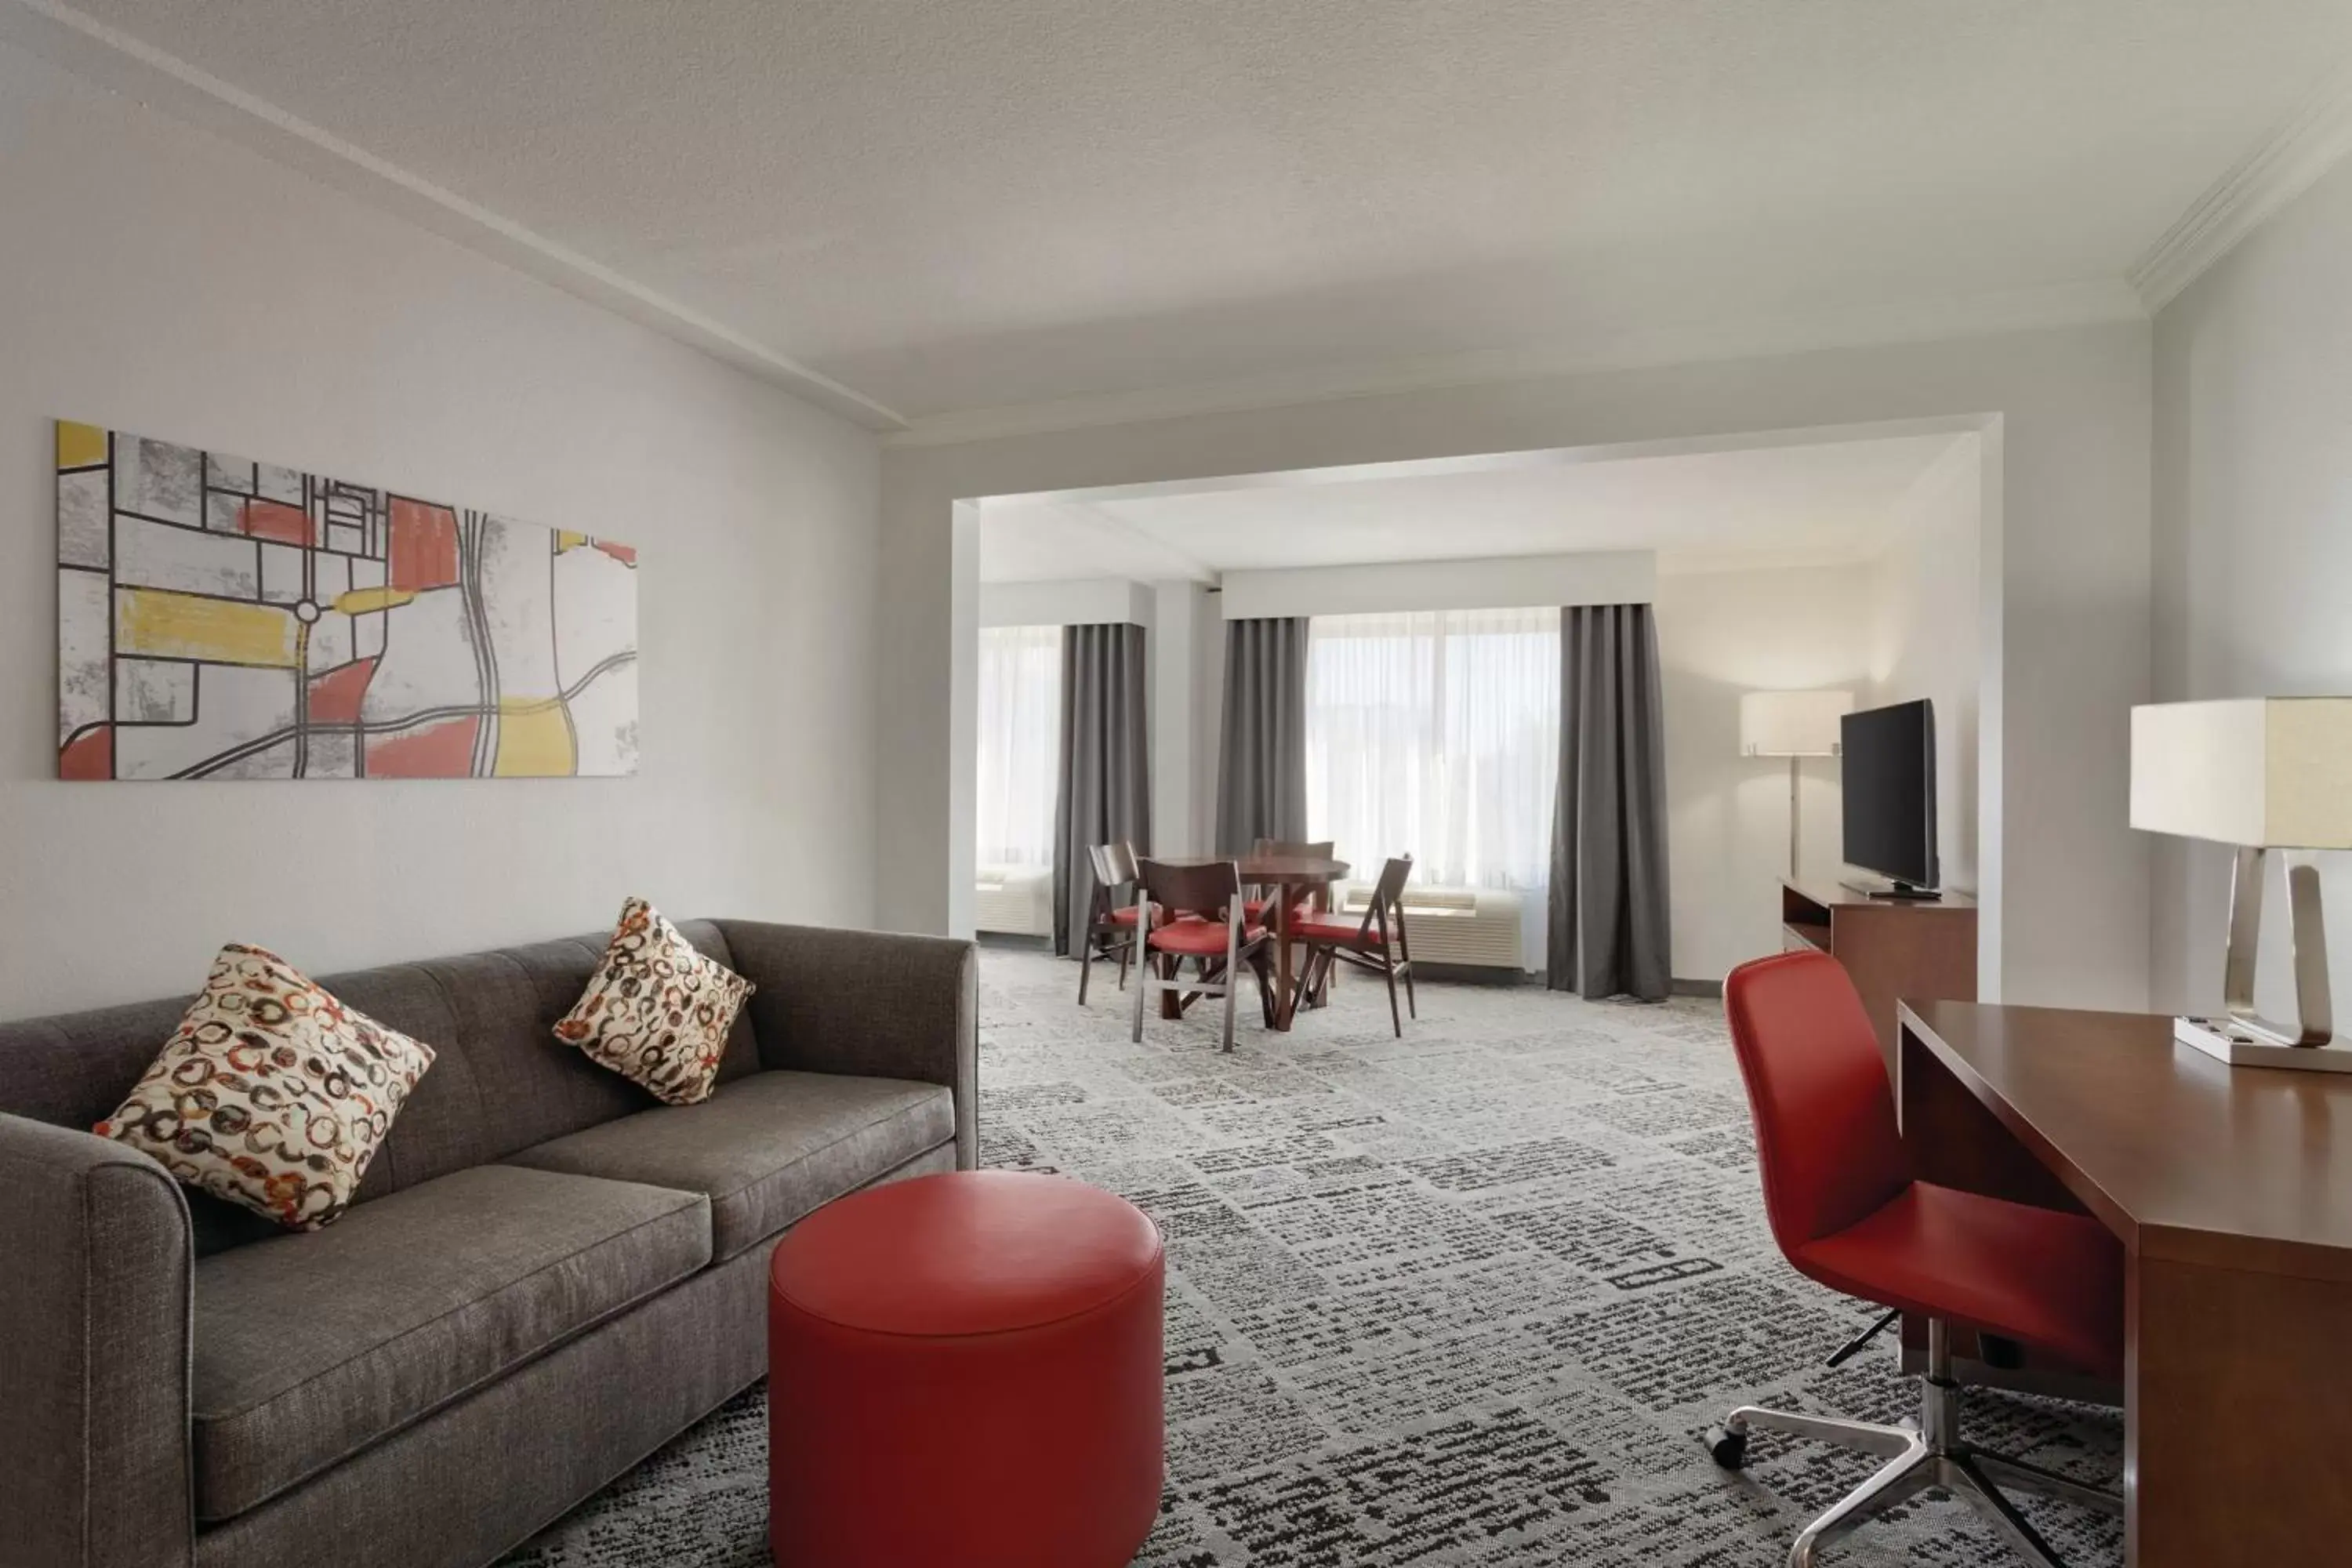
column 567, row 540
column 187, row 626
column 367, row 601
column 80, row 445
column 534, row 739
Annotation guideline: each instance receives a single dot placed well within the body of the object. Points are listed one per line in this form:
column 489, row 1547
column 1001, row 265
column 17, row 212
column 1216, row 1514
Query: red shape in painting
column 276, row 521
column 335, row 696
column 89, row 754
column 626, row 555
column 443, row 751
column 424, row 546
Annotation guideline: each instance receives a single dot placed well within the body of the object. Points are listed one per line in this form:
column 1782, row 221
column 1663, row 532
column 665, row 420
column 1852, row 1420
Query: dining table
column 1292, row 878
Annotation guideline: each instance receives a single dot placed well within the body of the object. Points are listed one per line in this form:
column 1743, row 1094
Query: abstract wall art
column 222, row 618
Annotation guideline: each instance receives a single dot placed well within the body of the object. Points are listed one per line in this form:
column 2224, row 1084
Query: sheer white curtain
column 1436, row 734
column 1020, row 744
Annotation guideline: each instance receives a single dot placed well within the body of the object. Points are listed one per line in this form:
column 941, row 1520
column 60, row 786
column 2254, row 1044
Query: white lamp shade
column 2269, row 771
column 1792, row 723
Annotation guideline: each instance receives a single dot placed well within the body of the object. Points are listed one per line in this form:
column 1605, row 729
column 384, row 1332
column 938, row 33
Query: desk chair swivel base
column 1930, row 1454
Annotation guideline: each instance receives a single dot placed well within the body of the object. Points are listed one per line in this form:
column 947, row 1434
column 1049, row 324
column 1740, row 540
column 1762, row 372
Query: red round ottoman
column 965, row 1368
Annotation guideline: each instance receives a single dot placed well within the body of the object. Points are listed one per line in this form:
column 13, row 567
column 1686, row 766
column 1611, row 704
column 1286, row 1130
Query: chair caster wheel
column 1726, row 1448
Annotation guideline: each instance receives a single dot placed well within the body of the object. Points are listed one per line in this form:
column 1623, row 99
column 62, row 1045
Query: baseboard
column 1474, row 975
column 1013, row 942
column 1713, row 988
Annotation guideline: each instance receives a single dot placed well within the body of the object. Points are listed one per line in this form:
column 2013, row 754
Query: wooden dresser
column 1896, row 950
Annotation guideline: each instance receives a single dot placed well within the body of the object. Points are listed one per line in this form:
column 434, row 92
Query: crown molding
column 2287, row 163
column 116, row 60
column 2010, row 311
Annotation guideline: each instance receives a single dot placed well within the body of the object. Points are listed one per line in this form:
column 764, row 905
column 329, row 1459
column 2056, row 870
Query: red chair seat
column 2048, row 1279
column 1199, row 938
column 1341, row 931
column 1123, row 915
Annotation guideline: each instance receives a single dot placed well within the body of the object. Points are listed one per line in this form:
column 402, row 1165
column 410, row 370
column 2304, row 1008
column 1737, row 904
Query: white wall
column 2254, row 539
column 1722, row 635
column 1076, row 602
column 1500, row 583
column 155, row 279
column 1925, row 610
column 2065, row 415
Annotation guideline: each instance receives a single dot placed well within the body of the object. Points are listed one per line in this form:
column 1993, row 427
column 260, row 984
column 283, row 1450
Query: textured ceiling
column 1825, row 501
column 960, row 205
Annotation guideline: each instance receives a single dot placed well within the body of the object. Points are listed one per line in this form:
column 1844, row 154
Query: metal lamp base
column 2244, row 1038
column 2228, row 1041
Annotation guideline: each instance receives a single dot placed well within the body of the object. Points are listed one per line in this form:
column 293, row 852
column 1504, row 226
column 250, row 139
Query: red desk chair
column 1376, row 942
column 1847, row 1211
column 1219, row 942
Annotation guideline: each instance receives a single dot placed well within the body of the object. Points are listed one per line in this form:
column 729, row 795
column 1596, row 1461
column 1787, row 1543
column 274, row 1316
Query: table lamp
column 2263, row 773
column 1792, row 724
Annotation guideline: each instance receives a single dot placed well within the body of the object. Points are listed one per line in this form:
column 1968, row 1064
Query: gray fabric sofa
column 547, row 1274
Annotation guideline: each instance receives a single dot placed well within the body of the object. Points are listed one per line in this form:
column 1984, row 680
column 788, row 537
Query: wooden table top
column 2183, row 1156
column 1273, row 867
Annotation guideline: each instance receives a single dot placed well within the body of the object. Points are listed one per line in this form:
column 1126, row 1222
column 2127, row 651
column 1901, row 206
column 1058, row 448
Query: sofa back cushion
column 499, row 1082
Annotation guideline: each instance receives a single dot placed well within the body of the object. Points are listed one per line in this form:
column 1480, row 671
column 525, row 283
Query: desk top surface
column 2182, row 1156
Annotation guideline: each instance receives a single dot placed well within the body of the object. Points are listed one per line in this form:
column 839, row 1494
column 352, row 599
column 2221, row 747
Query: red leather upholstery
column 1345, row 931
column 1844, row 1206
column 965, row 1368
column 1199, row 939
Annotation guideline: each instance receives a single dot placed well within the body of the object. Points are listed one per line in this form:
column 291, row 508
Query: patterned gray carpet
column 1461, row 1300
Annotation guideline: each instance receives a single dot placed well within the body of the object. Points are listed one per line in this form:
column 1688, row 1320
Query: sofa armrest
column 867, row 1001
column 96, row 1269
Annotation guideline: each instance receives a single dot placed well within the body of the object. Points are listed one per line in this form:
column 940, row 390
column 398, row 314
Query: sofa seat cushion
column 766, row 1149
column 309, row 1347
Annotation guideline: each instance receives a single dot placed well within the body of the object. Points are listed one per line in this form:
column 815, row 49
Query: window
column 1020, row 744
column 1436, row 734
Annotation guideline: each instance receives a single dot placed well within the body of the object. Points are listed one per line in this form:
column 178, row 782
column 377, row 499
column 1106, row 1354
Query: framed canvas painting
column 222, row 618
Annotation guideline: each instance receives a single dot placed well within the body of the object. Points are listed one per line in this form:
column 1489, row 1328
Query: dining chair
column 1377, row 943
column 1219, row 942
column 1848, row 1211
column 1110, row 920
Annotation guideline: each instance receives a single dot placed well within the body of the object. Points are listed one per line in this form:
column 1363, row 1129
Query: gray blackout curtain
column 1609, row 930
column 1105, row 789
column 1262, row 768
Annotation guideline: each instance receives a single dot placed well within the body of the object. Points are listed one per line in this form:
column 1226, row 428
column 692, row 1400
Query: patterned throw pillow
column 657, row 1011
column 271, row 1093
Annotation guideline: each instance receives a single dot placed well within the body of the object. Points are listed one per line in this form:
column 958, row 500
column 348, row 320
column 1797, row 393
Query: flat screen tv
column 1890, row 793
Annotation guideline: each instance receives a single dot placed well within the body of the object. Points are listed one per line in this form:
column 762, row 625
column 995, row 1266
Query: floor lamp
column 1792, row 724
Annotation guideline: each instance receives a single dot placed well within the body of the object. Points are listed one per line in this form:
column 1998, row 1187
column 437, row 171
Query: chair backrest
column 1386, row 907
column 1826, row 1139
column 1213, row 890
column 1103, row 859
column 1122, row 859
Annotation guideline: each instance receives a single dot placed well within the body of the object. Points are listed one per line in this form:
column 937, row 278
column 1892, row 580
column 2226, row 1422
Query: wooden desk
column 2232, row 1191
column 1893, row 948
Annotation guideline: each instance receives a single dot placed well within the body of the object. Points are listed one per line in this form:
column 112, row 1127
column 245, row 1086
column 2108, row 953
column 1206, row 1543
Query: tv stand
column 1896, row 891
column 1895, row 950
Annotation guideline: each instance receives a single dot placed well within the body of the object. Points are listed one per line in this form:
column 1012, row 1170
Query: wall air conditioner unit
column 1013, row 901
column 1472, row 926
